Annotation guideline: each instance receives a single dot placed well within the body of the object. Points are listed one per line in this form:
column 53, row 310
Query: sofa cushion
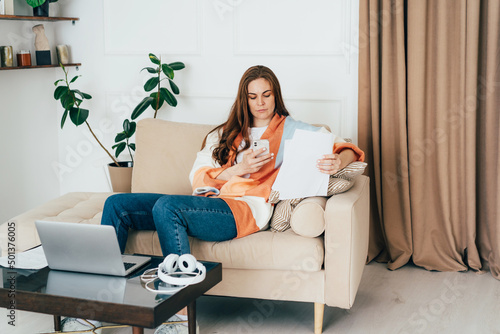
column 261, row 250
column 308, row 217
column 78, row 207
column 165, row 153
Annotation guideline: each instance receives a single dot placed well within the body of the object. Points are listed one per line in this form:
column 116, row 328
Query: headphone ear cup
column 187, row 263
column 170, row 264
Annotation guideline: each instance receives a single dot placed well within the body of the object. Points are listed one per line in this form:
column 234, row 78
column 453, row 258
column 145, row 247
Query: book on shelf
column 2, row 7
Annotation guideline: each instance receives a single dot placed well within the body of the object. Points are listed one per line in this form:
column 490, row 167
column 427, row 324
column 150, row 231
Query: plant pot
column 42, row 10
column 121, row 177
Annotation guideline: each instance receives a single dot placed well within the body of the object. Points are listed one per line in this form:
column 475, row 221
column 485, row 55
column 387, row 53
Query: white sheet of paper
column 298, row 176
column 31, row 259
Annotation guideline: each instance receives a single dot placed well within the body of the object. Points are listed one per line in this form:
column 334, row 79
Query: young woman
column 242, row 176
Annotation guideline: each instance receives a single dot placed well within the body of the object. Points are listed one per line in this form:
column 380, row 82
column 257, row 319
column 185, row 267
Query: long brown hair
column 240, row 118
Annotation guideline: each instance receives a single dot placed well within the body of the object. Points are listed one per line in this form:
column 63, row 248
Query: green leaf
column 60, row 92
column 35, row 3
column 74, row 79
column 119, row 148
column 167, row 96
column 174, row 87
column 154, row 59
column 126, row 125
column 58, row 81
column 68, row 101
column 133, row 126
column 132, row 146
column 169, row 72
column 82, row 94
column 177, row 65
column 120, row 136
column 63, row 119
column 78, row 115
column 150, row 70
column 151, row 84
column 160, row 101
column 143, row 105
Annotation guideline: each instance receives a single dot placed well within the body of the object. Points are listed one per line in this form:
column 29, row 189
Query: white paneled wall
column 287, row 28
column 308, row 44
column 135, row 29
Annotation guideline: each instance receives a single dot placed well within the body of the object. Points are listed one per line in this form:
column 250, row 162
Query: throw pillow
column 340, row 182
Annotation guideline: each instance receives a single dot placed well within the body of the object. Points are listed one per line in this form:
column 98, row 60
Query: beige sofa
column 266, row 265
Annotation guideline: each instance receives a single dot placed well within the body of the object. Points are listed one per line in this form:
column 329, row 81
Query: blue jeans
column 174, row 217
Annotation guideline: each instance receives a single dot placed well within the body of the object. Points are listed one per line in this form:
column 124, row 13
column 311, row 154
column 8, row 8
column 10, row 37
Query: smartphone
column 258, row 144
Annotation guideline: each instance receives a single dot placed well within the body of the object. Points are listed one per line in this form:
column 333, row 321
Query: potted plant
column 71, row 100
column 120, row 171
column 121, row 174
column 40, row 7
column 156, row 99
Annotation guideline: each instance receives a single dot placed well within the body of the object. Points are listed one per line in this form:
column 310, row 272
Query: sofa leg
column 319, row 310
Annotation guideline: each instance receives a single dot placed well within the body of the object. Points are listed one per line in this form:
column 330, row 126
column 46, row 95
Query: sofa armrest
column 346, row 243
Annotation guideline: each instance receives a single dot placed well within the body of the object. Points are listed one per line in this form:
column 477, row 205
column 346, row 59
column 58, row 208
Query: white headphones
column 191, row 272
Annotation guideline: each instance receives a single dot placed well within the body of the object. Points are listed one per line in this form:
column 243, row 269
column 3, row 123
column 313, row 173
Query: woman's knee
column 115, row 200
column 163, row 204
column 166, row 209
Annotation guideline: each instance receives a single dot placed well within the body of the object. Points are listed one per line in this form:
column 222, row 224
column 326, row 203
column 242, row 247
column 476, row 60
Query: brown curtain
column 429, row 105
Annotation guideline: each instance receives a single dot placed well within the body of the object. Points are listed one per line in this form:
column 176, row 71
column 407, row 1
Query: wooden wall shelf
column 36, row 66
column 37, row 18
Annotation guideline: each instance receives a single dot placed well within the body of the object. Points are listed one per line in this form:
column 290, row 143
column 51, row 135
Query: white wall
column 29, row 133
column 306, row 43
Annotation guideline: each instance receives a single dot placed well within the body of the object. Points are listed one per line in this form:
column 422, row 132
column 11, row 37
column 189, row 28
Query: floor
column 409, row 300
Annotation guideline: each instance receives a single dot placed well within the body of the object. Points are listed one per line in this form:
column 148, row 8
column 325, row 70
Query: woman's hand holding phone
column 252, row 162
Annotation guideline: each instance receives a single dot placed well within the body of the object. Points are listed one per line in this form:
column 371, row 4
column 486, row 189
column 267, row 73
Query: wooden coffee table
column 120, row 300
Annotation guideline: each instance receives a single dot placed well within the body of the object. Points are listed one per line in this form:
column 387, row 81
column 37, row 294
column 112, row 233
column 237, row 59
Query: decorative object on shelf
column 22, row 8
column 8, row 7
column 29, row 66
column 40, row 7
column 24, row 58
column 62, row 54
column 6, row 57
column 71, row 99
column 41, row 46
column 156, row 99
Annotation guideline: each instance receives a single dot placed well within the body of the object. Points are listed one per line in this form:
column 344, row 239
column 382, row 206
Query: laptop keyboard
column 128, row 265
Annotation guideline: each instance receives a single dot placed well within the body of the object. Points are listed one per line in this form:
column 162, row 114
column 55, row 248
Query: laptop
column 86, row 248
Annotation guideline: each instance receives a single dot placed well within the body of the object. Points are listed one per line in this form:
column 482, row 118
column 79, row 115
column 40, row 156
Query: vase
column 42, row 10
column 121, row 177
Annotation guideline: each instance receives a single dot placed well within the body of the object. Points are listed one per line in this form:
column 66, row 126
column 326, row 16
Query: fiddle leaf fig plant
column 161, row 94
column 71, row 100
column 122, row 139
